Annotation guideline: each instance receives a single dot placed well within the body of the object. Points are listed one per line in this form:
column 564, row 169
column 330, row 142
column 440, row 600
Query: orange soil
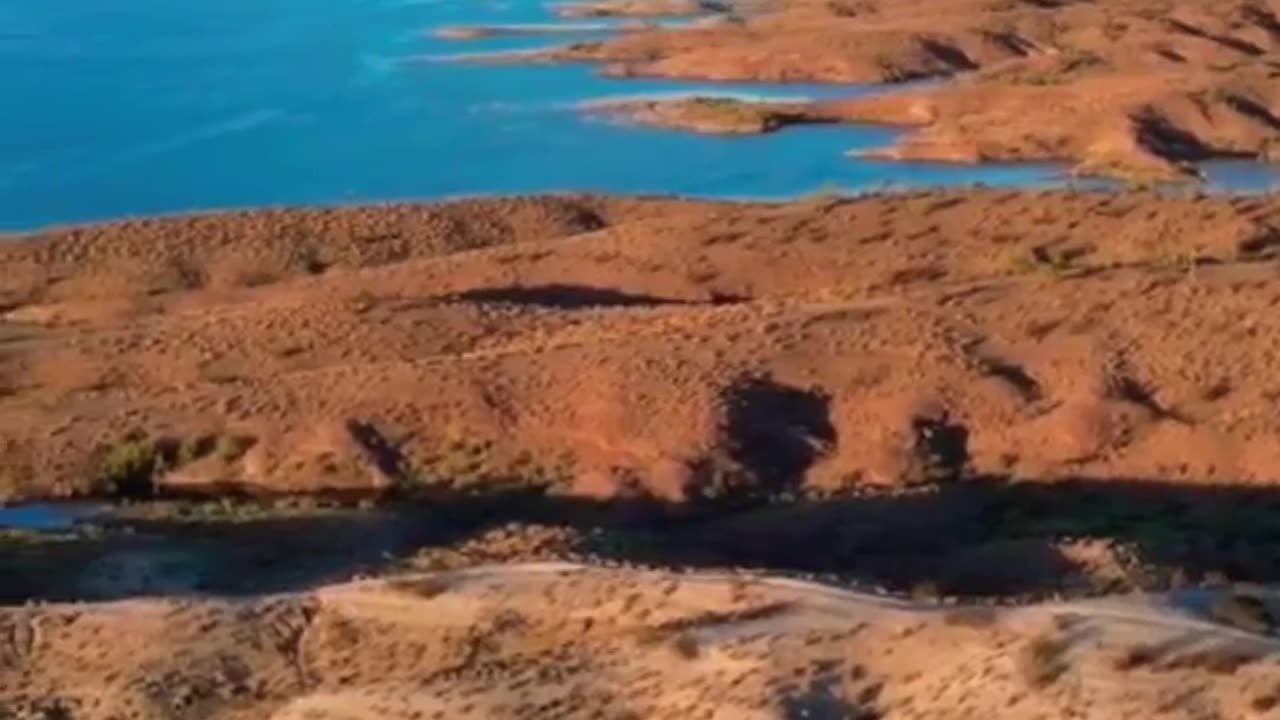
column 609, row 346
column 1132, row 89
column 579, row 643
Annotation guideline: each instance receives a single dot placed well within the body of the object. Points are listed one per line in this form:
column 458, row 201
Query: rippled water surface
column 144, row 106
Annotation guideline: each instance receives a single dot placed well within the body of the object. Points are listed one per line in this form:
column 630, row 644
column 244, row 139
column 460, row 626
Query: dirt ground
column 647, row 348
column 556, row 640
column 983, row 392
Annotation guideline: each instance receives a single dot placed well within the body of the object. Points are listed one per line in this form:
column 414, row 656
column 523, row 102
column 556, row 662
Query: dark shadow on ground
column 562, row 297
column 778, row 431
column 966, row 537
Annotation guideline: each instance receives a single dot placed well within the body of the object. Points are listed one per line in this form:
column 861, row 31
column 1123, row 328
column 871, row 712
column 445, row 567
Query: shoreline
column 1127, row 117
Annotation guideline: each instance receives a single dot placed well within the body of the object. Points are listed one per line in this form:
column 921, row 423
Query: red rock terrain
column 1135, row 89
column 621, row 347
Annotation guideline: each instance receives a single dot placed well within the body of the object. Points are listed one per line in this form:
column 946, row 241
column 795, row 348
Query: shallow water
column 1241, row 176
column 44, row 516
column 145, row 106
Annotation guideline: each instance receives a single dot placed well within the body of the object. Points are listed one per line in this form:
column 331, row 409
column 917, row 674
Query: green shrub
column 1020, row 261
column 128, row 467
column 686, row 646
column 425, row 587
column 1266, row 702
column 189, row 450
column 1044, row 661
column 1222, row 660
column 974, row 616
column 1136, row 656
column 230, row 448
column 926, row 591
column 1243, row 612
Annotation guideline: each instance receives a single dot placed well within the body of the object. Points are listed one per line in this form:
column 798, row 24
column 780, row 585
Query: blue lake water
column 145, row 106
column 44, row 516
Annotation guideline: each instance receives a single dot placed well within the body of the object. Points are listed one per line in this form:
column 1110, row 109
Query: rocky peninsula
column 1139, row 90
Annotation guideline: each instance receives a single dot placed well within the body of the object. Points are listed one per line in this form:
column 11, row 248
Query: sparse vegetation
column 1039, row 79
column 464, row 465
column 1185, row 259
column 926, row 591
column 224, row 510
column 230, row 448
column 310, row 258
column 364, row 301
column 192, row 449
column 1243, row 612
column 1136, row 656
column 715, row 114
column 1021, row 261
column 508, row 620
column 1222, row 660
column 1043, row 659
column 423, row 587
column 128, row 467
column 1266, row 702
column 182, row 274
column 973, row 616
column 8, row 486
column 686, row 646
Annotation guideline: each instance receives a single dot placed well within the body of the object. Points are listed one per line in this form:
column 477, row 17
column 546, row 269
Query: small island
column 478, row 32
column 638, row 8
column 711, row 115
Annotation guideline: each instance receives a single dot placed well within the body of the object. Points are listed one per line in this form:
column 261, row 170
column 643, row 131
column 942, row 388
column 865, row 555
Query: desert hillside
column 656, row 348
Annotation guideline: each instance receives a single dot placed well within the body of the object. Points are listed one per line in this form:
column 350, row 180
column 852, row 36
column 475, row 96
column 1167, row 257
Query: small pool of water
column 1241, row 176
column 45, row 516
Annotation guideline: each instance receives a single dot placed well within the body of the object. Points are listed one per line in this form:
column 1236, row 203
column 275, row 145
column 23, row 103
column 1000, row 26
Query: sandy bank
column 589, row 643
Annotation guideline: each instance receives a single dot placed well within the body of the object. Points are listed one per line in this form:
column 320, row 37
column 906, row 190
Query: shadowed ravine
column 977, row 537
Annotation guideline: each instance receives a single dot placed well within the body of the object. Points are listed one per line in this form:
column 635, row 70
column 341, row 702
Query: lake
column 148, row 106
column 153, row 106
